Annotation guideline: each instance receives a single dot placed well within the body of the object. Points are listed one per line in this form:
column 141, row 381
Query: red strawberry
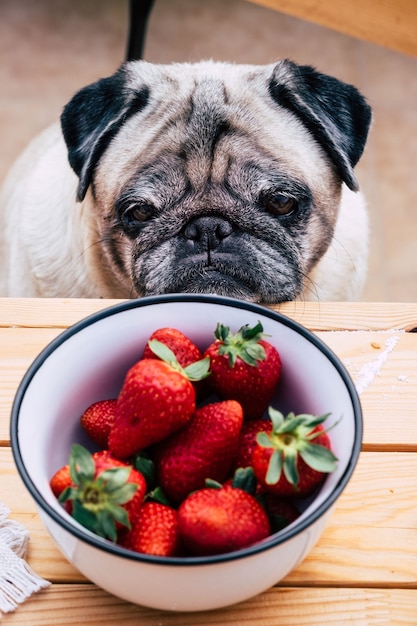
column 205, row 448
column 183, row 348
column 155, row 401
column 247, row 441
column 156, row 531
column 105, row 493
column 281, row 512
column 97, row 421
column 294, row 458
column 60, row 480
column 244, row 367
column 185, row 351
column 215, row 521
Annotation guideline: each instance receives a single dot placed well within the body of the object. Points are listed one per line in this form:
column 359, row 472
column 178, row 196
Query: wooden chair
column 139, row 12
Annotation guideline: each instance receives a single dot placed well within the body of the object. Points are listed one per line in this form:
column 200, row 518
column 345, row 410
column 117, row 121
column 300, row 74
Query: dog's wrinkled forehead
column 211, row 126
column 281, row 108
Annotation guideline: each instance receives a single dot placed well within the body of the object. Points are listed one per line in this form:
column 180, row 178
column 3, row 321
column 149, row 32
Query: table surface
column 363, row 570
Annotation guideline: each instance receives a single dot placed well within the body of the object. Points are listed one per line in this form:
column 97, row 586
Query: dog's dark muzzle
column 207, row 233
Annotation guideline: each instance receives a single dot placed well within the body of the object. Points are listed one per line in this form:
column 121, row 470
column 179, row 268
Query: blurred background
column 51, row 48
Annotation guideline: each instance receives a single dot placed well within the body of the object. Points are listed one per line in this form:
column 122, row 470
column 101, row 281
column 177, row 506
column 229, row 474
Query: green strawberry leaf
column 123, row 494
column 158, row 495
column 256, row 332
column 314, row 420
column 198, row 370
column 119, row 514
column 114, row 478
column 81, row 464
column 85, row 517
column 244, row 478
column 222, row 332
column 315, row 434
column 146, row 467
column 163, row 352
column 277, row 418
column 291, row 423
column 251, row 353
column 212, row 484
column 106, row 527
column 319, row 457
column 194, row 372
column 69, row 493
column 231, row 352
column 290, row 468
column 263, row 440
column 273, row 473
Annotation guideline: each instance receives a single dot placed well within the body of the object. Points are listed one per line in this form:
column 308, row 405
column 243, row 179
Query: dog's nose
column 208, row 231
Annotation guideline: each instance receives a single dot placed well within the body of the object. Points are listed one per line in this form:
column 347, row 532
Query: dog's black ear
column 93, row 117
column 335, row 113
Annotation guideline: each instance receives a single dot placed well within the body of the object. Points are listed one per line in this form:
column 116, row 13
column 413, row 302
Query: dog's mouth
column 225, row 275
column 218, row 277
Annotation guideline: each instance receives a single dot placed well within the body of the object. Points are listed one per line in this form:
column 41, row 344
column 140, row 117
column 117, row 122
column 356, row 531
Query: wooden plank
column 48, row 312
column 60, row 313
column 66, row 605
column 389, row 23
column 18, row 348
column 370, row 540
column 383, row 365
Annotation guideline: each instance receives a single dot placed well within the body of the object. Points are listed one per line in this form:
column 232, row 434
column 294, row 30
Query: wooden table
column 363, row 571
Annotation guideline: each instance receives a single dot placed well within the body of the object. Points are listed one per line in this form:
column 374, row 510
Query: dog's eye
column 278, row 204
column 137, row 214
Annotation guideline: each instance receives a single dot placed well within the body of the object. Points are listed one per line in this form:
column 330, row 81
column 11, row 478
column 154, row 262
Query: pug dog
column 219, row 178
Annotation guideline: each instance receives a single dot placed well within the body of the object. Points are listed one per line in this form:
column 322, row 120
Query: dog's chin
column 215, row 282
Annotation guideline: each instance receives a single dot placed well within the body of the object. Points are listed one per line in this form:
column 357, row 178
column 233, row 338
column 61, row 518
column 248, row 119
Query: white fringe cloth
column 17, row 579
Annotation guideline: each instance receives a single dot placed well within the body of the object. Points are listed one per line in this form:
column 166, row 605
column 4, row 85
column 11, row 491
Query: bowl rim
column 273, row 540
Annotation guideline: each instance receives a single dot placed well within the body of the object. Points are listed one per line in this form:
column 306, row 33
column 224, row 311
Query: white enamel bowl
column 88, row 362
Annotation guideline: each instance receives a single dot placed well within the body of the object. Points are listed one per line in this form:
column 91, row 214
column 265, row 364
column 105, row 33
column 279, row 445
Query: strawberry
column 281, row 512
column 185, row 351
column 244, row 367
column 105, row 493
column 293, row 459
column 205, row 448
column 157, row 398
column 247, row 441
column 60, row 480
column 156, row 531
column 215, row 521
column 97, row 421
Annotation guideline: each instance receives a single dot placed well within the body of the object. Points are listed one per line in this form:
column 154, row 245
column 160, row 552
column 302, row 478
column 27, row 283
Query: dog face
column 215, row 178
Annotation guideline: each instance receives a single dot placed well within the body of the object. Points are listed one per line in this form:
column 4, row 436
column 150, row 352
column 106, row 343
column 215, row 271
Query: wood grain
column 73, row 605
column 389, row 23
column 60, row 313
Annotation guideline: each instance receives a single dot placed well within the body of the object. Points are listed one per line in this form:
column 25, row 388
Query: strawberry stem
column 291, row 436
column 244, row 344
column 97, row 500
